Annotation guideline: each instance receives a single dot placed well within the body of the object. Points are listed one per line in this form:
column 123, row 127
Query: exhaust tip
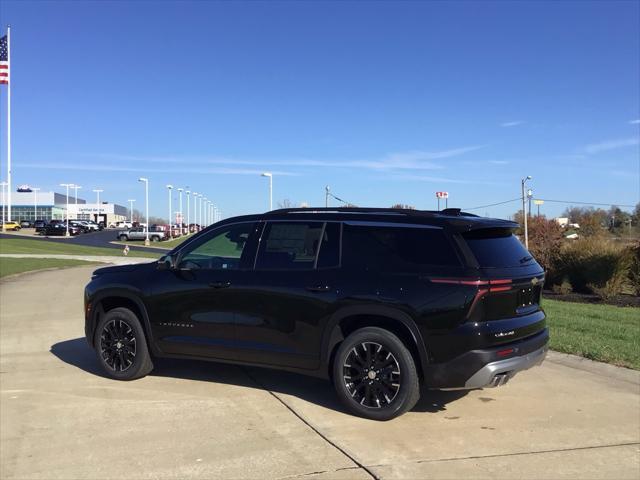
column 500, row 380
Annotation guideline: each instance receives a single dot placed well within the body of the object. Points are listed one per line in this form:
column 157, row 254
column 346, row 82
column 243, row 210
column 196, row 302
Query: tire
column 123, row 238
column 155, row 238
column 395, row 388
column 130, row 363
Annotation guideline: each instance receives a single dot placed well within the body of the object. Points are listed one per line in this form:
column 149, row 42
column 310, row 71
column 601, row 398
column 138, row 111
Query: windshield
column 497, row 249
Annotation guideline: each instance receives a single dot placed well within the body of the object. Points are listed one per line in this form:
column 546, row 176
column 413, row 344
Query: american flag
column 4, row 61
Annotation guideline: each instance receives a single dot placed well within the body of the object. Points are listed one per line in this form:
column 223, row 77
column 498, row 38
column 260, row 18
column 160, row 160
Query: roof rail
column 373, row 211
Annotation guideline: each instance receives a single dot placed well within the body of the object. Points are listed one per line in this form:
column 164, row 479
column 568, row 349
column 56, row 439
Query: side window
column 329, row 255
column 289, row 246
column 396, row 248
column 222, row 249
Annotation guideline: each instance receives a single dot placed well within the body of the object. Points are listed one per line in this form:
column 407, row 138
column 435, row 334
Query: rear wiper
column 526, row 259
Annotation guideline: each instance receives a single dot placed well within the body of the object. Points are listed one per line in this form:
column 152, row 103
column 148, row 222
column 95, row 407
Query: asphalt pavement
column 61, row 418
column 101, row 239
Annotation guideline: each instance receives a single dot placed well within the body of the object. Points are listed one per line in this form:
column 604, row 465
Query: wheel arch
column 110, row 299
column 349, row 319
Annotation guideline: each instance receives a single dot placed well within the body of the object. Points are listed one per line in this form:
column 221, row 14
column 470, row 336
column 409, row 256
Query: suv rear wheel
column 121, row 345
column 375, row 375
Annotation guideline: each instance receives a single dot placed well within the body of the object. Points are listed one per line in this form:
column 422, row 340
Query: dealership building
column 30, row 205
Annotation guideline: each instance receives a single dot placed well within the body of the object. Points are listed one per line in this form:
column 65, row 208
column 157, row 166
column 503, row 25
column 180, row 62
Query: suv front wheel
column 375, row 375
column 121, row 345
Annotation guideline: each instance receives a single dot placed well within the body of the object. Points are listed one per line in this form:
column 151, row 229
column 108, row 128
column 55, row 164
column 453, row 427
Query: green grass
column 29, row 246
column 11, row 266
column 600, row 332
column 164, row 245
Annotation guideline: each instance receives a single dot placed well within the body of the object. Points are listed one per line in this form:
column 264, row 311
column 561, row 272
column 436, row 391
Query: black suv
column 378, row 300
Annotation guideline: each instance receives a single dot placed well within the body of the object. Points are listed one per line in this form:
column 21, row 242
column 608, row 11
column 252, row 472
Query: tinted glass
column 494, row 249
column 221, row 250
column 396, row 248
column 289, row 245
column 329, row 255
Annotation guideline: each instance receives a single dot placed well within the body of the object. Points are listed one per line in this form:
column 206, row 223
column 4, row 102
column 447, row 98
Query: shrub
column 634, row 270
column 564, row 288
column 545, row 243
column 596, row 265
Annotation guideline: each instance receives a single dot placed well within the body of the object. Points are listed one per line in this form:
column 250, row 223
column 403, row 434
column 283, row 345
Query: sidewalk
column 120, row 260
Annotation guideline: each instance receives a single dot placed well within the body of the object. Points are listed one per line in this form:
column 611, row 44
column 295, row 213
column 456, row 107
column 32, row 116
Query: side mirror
column 167, row 262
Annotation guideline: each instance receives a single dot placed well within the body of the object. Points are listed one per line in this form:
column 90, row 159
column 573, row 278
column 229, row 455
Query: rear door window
column 289, row 246
column 497, row 248
column 391, row 248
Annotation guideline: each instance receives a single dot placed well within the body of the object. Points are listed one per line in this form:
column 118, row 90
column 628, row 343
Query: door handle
column 319, row 288
column 220, row 284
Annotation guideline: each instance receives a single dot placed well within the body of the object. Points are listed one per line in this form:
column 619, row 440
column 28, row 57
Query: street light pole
column 188, row 192
column 326, row 196
column 67, row 185
column 76, row 188
column 170, row 188
column 131, row 200
column 4, row 206
column 524, row 212
column 180, row 209
column 269, row 175
column 195, row 210
column 35, row 204
column 146, row 208
column 97, row 192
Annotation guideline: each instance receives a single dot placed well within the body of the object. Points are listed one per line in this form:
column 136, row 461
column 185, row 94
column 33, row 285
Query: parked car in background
column 26, row 224
column 381, row 302
column 40, row 225
column 60, row 229
column 95, row 226
column 15, row 226
column 138, row 233
column 80, row 225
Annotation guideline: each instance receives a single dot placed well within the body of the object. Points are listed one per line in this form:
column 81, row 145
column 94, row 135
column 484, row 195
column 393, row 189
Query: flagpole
column 9, row 123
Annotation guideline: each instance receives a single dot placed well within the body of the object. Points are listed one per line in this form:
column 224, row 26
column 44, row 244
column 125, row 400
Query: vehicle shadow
column 76, row 352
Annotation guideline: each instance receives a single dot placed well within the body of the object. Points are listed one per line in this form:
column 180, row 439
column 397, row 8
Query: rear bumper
column 488, row 367
column 498, row 373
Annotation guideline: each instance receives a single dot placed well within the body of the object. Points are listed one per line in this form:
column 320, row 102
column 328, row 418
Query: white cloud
column 499, row 162
column 122, row 168
column 409, row 160
column 611, row 145
column 423, row 178
column 512, row 124
column 634, row 122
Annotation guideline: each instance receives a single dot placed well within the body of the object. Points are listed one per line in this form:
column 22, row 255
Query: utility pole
column 524, row 213
column 326, row 196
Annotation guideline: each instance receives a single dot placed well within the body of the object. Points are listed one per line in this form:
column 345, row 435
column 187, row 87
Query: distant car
column 60, row 229
column 15, row 226
column 80, row 225
column 94, row 226
column 25, row 224
column 138, row 233
column 40, row 225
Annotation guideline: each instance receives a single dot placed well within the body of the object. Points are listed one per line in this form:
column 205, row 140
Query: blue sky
column 384, row 102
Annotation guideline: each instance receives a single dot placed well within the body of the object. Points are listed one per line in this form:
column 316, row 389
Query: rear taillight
column 484, row 287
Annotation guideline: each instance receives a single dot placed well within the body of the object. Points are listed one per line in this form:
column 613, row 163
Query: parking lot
column 60, row 418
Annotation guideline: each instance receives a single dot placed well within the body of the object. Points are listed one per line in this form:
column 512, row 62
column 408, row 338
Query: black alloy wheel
column 121, row 346
column 118, row 345
column 372, row 375
column 375, row 375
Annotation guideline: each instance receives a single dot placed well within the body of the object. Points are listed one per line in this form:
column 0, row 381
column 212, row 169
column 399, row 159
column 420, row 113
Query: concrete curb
column 122, row 260
column 622, row 374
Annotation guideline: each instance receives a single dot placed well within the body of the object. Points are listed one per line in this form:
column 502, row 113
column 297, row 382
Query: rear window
column 497, row 249
column 396, row 248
